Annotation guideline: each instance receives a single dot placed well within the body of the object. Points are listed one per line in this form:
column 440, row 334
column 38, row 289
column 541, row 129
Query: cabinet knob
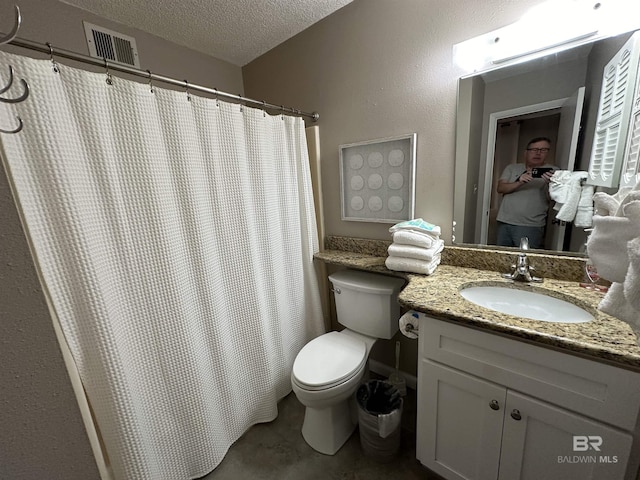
column 515, row 414
column 494, row 405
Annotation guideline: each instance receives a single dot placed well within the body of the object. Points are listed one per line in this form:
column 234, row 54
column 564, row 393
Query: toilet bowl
column 328, row 370
column 325, row 376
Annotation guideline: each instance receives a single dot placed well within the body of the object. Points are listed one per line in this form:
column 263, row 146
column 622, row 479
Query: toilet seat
column 329, row 360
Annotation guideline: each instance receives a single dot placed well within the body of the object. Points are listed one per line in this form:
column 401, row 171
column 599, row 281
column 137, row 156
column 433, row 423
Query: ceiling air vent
column 111, row 45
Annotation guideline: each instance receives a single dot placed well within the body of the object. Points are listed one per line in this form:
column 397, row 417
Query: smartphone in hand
column 537, row 172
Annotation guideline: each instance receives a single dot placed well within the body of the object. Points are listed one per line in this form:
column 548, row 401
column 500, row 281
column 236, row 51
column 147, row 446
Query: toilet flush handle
column 335, row 290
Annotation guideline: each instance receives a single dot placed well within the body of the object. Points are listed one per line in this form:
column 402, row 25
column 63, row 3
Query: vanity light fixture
column 546, row 28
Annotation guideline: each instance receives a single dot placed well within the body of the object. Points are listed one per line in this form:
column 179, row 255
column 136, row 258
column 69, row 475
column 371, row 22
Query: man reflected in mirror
column 525, row 202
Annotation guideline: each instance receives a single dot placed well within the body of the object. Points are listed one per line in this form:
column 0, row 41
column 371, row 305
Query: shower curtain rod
column 55, row 52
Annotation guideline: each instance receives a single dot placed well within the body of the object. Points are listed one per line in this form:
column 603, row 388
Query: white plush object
column 176, row 242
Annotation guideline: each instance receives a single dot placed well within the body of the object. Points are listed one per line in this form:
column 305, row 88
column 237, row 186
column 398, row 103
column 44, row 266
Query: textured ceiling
column 237, row 31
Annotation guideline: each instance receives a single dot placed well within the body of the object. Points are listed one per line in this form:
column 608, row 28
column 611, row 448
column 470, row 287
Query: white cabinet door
column 538, row 443
column 460, row 423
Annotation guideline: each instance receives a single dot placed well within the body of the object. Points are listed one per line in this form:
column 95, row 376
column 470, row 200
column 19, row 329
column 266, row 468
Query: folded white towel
column 607, row 245
column 417, row 225
column 568, row 210
column 401, row 264
column 419, row 253
column 631, row 283
column 614, row 303
column 418, row 239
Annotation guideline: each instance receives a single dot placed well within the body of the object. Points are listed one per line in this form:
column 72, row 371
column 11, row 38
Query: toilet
column 329, row 369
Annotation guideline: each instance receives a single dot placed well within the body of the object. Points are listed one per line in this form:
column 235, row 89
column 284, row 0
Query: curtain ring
column 264, row 108
column 241, row 104
column 217, row 101
column 54, row 65
column 10, row 82
column 282, row 112
column 150, row 83
column 106, row 67
column 14, row 31
column 186, row 89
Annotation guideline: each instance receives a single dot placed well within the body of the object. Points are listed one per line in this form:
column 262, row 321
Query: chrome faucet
column 521, row 269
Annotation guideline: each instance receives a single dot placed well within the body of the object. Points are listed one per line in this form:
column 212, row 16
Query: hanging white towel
column 607, row 245
column 419, row 253
column 567, row 212
column 418, row 239
column 605, row 204
column 615, row 303
column 584, row 214
column 632, row 280
column 559, row 187
column 412, row 265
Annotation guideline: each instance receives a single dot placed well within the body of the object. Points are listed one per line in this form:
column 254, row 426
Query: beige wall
column 41, row 433
column 375, row 69
column 379, row 68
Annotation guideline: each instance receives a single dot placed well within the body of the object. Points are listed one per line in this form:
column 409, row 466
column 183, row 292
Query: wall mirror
column 557, row 96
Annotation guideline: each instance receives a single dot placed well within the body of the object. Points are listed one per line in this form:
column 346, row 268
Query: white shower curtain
column 175, row 240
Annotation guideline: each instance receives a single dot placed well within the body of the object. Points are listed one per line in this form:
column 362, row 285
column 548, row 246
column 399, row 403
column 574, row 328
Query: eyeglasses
column 538, row 150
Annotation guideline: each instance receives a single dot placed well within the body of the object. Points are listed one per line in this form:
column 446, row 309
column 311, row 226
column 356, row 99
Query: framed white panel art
column 377, row 179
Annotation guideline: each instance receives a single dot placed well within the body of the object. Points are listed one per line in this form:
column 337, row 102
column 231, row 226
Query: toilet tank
column 367, row 302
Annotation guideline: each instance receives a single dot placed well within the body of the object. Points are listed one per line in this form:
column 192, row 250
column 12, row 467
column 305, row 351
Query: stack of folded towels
column 614, row 249
column 416, row 247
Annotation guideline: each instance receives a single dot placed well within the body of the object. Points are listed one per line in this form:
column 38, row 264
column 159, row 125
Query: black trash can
column 379, row 418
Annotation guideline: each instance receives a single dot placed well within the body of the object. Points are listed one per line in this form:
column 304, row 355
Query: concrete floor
column 277, row 451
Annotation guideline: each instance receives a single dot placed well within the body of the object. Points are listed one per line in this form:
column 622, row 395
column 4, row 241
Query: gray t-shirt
column 528, row 205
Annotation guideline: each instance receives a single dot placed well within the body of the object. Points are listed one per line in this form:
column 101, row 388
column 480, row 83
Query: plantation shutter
column 614, row 112
column 630, row 174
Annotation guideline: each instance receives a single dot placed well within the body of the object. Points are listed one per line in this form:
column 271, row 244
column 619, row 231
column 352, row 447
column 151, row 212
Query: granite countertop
column 604, row 339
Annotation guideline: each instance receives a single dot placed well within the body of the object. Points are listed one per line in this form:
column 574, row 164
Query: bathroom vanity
column 503, row 397
column 495, row 408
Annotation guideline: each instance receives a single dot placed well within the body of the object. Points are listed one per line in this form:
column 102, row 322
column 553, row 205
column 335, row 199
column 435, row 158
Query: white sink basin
column 526, row 304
